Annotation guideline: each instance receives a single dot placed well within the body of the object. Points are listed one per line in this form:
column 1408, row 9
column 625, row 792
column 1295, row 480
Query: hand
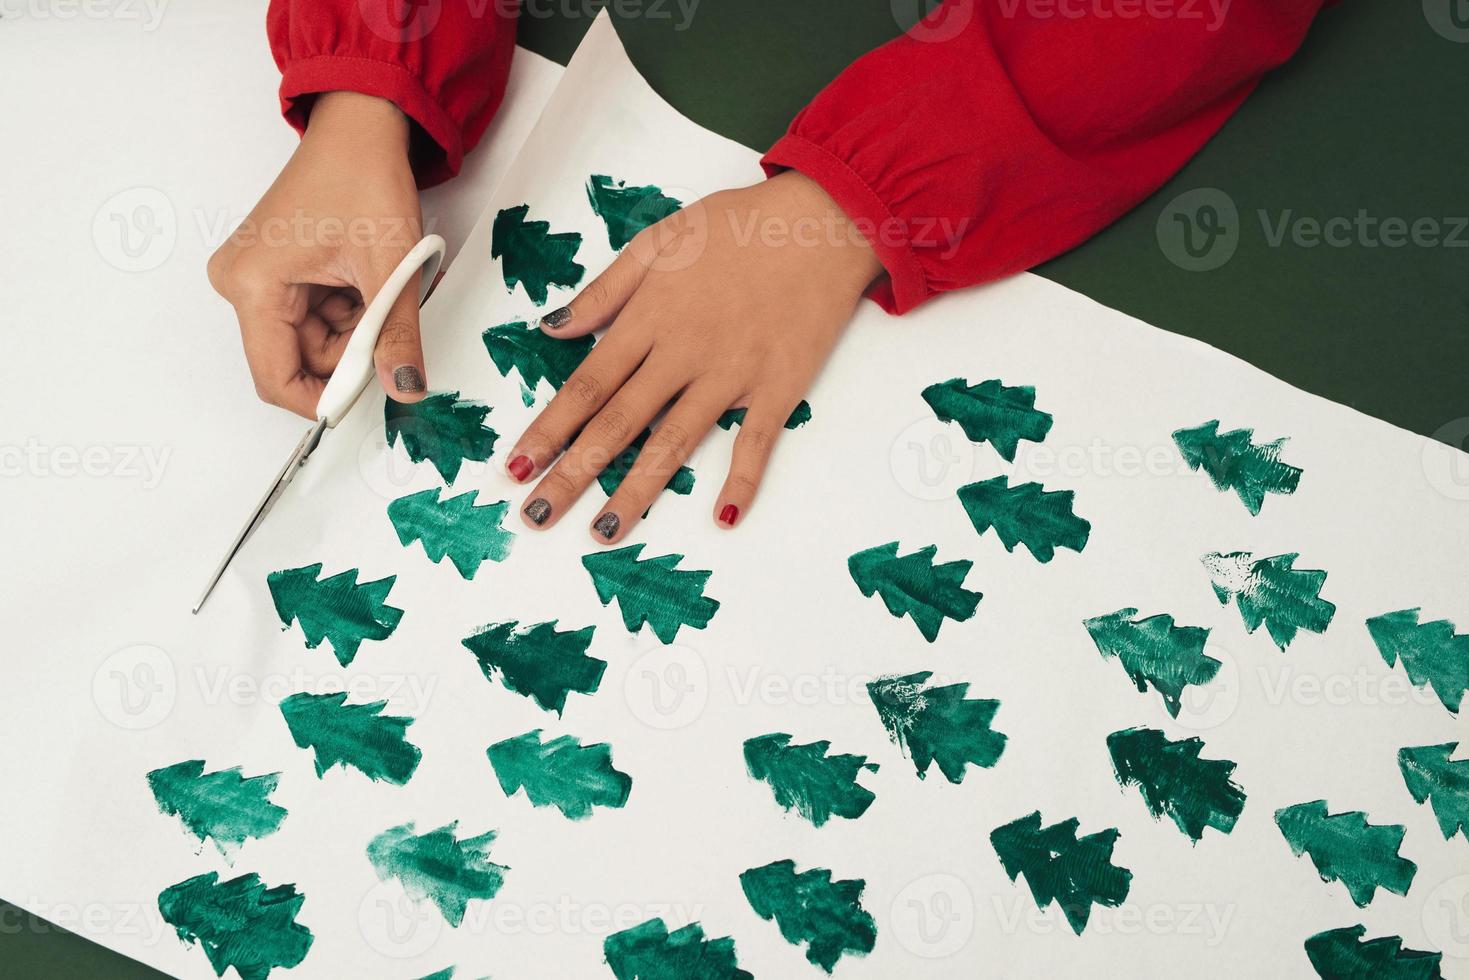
column 318, row 246
column 735, row 301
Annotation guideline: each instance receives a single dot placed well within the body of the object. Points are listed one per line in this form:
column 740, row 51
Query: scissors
column 351, row 376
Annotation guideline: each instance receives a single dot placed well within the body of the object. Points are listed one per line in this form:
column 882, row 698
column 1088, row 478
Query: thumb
column 399, row 352
column 603, row 298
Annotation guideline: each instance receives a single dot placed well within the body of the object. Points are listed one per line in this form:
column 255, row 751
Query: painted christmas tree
column 356, row 735
column 1433, row 777
column 990, row 412
column 1340, row 954
column 1074, row 872
column 811, row 908
column 627, row 210
column 453, row 528
column 1195, row 793
column 914, row 586
column 1432, row 653
column 1235, row 463
column 336, row 609
column 239, row 923
column 805, row 779
column 611, row 477
column 1270, row 591
column 438, row 866
column 527, row 350
column 652, row 591
column 799, row 416
column 442, row 429
column 541, row 662
column 225, row 806
column 936, row 724
column 1154, row 652
column 648, row 951
column 1346, row 848
column 1025, row 514
column 531, row 255
column 561, row 772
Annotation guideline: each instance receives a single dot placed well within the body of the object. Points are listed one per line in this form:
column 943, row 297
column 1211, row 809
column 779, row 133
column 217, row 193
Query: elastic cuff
column 905, row 286
column 336, row 73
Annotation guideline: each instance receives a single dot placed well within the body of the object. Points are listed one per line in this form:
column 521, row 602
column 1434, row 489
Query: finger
column 321, row 345
column 680, row 432
column 763, row 424
column 399, row 352
column 327, row 328
column 340, row 309
column 611, row 362
column 603, row 298
column 272, row 349
column 601, row 441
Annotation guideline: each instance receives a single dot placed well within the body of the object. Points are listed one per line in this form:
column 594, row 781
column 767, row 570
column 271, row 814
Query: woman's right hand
column 318, row 246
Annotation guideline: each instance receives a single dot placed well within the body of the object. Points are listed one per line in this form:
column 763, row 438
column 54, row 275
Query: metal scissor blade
column 298, row 459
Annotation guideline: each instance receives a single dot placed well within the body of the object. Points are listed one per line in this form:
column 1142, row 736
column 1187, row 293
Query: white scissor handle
column 356, row 369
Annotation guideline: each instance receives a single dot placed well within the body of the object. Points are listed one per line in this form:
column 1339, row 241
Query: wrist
column 363, row 127
column 846, row 248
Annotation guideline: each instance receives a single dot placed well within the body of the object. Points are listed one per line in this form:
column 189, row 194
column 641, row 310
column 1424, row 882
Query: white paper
column 111, row 678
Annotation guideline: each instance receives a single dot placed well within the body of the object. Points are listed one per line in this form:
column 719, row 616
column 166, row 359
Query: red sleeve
column 999, row 133
column 443, row 62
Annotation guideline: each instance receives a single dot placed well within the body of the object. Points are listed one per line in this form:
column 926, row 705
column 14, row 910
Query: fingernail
column 607, row 525
column 729, row 514
column 520, row 468
column 407, row 379
column 538, row 510
column 557, row 319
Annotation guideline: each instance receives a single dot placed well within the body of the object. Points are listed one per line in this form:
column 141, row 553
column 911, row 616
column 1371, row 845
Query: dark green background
column 1369, row 115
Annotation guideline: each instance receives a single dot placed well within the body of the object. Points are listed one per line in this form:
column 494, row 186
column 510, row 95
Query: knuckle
column 598, row 293
column 533, row 442
column 611, row 424
column 249, row 292
column 674, row 438
column 559, row 481
column 218, row 268
column 398, row 331
column 399, row 324
column 267, row 393
column 756, row 442
column 584, row 389
column 742, row 482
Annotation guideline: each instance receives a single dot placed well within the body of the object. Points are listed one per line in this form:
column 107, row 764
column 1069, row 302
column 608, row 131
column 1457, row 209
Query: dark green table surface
column 1368, row 120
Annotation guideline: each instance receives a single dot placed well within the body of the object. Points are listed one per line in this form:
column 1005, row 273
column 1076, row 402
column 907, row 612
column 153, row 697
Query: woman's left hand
column 735, row 301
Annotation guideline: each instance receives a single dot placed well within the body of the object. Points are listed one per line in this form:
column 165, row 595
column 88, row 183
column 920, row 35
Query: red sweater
column 993, row 136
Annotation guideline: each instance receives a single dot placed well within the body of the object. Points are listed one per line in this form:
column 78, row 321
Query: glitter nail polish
column 607, row 525
column 538, row 510
column 408, row 379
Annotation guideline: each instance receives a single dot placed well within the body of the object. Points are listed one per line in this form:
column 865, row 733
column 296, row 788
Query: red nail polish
column 520, row 468
column 729, row 514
